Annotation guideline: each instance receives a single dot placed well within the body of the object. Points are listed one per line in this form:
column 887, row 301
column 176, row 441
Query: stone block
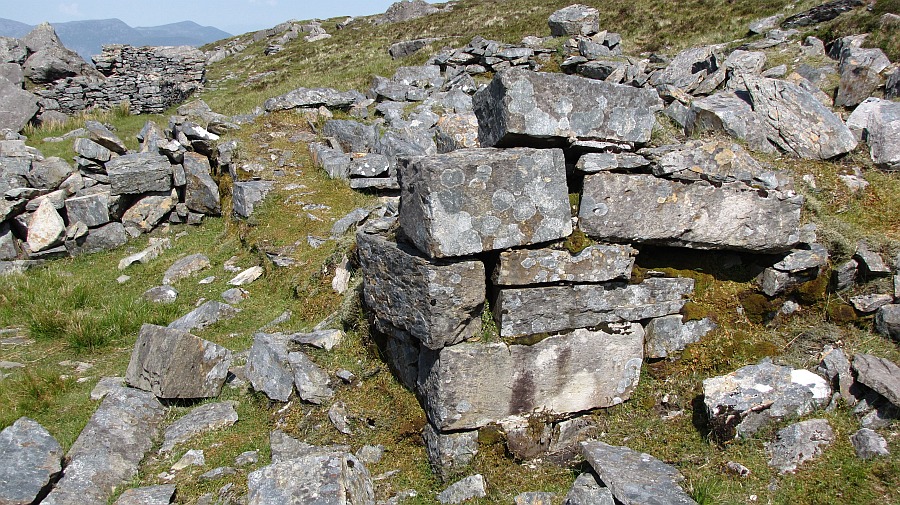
column 134, row 174
column 596, row 263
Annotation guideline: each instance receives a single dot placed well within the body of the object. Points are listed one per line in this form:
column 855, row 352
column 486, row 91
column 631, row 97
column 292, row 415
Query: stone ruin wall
column 148, row 79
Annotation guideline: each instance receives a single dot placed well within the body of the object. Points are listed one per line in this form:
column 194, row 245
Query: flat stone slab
column 185, row 267
column 327, row 478
column 474, row 200
column 151, row 495
column 438, row 302
column 879, row 374
column 798, row 443
column 713, row 161
column 211, row 416
column 596, row 263
column 740, row 403
column 699, row 215
column 268, row 369
column 205, row 315
column 29, row 459
column 529, row 311
column 463, row 490
column 635, row 478
column 313, row 97
column 470, row 385
column 109, row 450
column 521, row 107
column 134, row 174
column 175, row 364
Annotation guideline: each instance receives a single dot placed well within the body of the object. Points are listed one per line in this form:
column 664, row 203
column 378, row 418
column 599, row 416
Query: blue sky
column 233, row 16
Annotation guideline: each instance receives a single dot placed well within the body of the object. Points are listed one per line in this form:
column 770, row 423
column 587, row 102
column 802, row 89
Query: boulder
column 688, row 69
column 860, row 74
column 30, row 458
column 108, row 452
column 17, row 106
column 869, row 444
column 138, row 173
column 635, row 478
column 91, row 150
column 406, row 10
column 740, row 403
column 469, row 385
column 731, row 113
column 521, row 107
column 309, row 379
column 535, row 310
column 476, row 200
column 879, row 374
column 53, row 63
column 201, row 193
column 209, row 313
column 92, row 210
column 246, row 276
column 798, row 443
column 798, row 123
column 574, row 20
column 150, row 495
column 647, row 209
column 713, row 161
column 100, row 134
column 449, row 453
column 246, row 195
column 148, row 212
column 463, row 490
column 104, row 238
column 48, row 173
column 161, row 294
column 46, row 229
column 439, row 303
column 313, row 98
column 353, row 136
column 887, row 321
column 185, row 267
column 268, row 368
column 821, row 13
column 332, row 477
column 212, row 416
column 320, row 339
column 667, row 335
column 586, row 490
column 174, row 364
column 595, row 263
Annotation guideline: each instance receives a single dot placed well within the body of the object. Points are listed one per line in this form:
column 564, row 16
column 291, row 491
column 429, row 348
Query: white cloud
column 70, row 9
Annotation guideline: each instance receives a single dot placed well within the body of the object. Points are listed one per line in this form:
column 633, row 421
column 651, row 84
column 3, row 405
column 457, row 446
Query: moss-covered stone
column 757, row 307
column 841, row 313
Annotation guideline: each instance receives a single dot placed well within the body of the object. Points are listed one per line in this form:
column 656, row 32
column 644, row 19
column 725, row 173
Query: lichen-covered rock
column 211, row 416
column 530, row 311
column 150, row 495
column 109, row 450
column 521, row 107
column 439, row 303
column 474, row 200
column 740, row 403
column 326, row 477
column 456, row 131
column 92, row 210
column 312, row 98
column 574, row 20
column 596, row 263
column 647, row 209
column 175, row 364
column 713, row 161
column 869, row 444
column 729, row 113
column 211, row 312
column 688, row 68
column 448, row 453
column 469, row 385
column 635, row 478
column 138, row 173
column 798, row 443
column 29, row 459
column 668, row 335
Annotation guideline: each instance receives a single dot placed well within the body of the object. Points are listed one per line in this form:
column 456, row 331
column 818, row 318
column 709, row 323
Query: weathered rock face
column 879, row 374
column 17, row 106
column 313, row 97
column 29, row 458
column 643, row 208
column 475, row 200
column 472, row 384
column 246, row 195
column 138, row 173
column 668, row 335
column 530, row 311
column 520, row 106
column 104, row 238
column 451, row 452
column 741, row 402
column 713, row 161
column 882, row 127
column 175, row 364
column 109, row 450
column 574, row 20
column 329, row 477
column 799, row 124
column 46, row 229
column 596, row 263
column 201, row 193
column 353, row 136
column 635, row 478
column 92, row 210
column 438, row 303
column 268, row 369
column 207, row 417
column 205, row 315
column 688, row 69
column 798, row 443
column 730, row 113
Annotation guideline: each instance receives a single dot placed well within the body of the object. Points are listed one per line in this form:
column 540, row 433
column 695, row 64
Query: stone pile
column 51, row 208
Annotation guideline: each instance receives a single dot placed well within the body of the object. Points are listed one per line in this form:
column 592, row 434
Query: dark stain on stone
column 522, row 393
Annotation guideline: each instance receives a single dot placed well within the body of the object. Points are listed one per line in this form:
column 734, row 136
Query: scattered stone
column 268, row 369
column 109, row 449
column 440, row 304
column 595, row 263
column 535, row 498
column 161, row 294
column 370, row 454
column 333, row 477
column 409, row 47
column 836, row 367
column 732, row 114
column 235, row 296
column 185, row 267
column 151, row 495
column 205, row 315
column 345, row 375
column 156, row 247
column 105, row 386
column 247, row 458
column 667, row 335
column 737, row 469
column 211, row 416
column 320, row 339
column 217, row 473
column 868, row 304
column 647, row 209
column 104, row 238
column 207, row 280
column 879, row 374
column 870, row 261
column 887, row 321
column 869, row 444
column 338, row 414
column 247, row 276
column 466, row 489
column 355, row 217
column 845, row 275
column 574, row 20
column 310, row 380
column 341, row 281
column 246, row 195
column 406, row 10
column 193, row 457
column 740, row 403
column 30, row 458
column 521, row 106
column 635, row 478
column 46, row 228
column 798, row 443
column 313, row 98
column 175, row 364
column 449, row 453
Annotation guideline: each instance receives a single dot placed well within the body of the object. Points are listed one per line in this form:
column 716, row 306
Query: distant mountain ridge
column 87, row 37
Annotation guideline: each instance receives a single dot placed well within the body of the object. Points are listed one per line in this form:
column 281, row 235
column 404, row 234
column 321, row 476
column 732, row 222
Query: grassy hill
column 76, row 310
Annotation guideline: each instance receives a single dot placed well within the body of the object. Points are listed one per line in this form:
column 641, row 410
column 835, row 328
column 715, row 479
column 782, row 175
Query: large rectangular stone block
column 473, row 384
column 596, row 263
column 437, row 302
column 134, row 174
column 529, row 311
column 521, row 107
column 475, row 200
column 699, row 215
